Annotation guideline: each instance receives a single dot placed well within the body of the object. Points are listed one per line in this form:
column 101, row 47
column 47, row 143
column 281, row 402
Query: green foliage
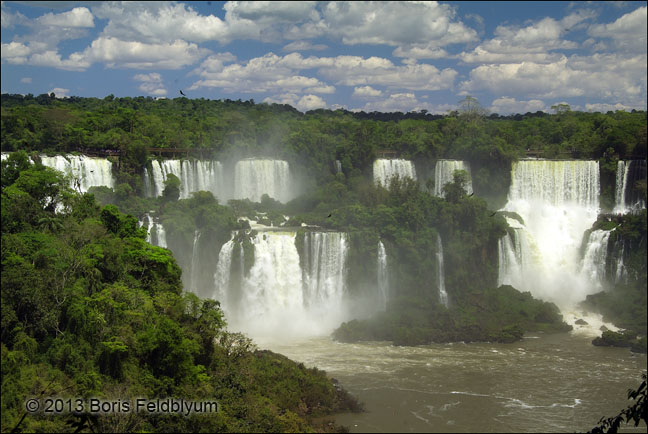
column 90, row 309
column 636, row 412
column 495, row 315
column 624, row 302
column 171, row 190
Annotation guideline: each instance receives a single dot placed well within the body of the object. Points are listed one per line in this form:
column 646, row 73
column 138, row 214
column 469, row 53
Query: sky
column 513, row 57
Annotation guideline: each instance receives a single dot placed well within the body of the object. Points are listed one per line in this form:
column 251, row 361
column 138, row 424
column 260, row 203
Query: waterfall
column 338, row 166
column 595, row 256
column 223, row 270
column 277, row 296
column 86, row 171
column 620, row 187
column 324, row 274
column 383, row 276
column 272, row 293
column 627, row 198
column 194, row 260
column 154, row 231
column 444, row 173
column 194, row 175
column 384, row 170
column 160, row 235
column 443, row 295
column 255, row 177
column 616, row 270
column 558, row 201
column 148, row 222
column 517, row 252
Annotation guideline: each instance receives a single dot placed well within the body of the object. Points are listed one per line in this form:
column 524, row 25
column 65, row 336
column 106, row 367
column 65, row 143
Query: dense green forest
column 404, row 215
column 106, row 303
column 317, row 138
column 89, row 309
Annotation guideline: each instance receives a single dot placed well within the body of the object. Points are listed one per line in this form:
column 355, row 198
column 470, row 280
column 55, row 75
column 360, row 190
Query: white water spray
column 558, row 201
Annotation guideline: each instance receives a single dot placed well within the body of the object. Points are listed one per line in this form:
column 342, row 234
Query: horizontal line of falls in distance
column 558, row 201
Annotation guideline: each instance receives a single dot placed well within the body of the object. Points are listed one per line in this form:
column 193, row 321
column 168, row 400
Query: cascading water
column 255, row 177
column 157, row 235
column 517, row 251
column 277, row 296
column 558, row 201
column 86, row 171
column 443, row 295
column 146, row 222
column 383, row 276
column 223, row 270
column 595, row 256
column 384, row 170
column 194, row 175
column 444, row 173
column 324, row 273
column 272, row 293
column 627, row 198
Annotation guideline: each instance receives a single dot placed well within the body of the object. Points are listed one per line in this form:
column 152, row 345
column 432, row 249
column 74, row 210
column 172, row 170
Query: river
column 544, row 383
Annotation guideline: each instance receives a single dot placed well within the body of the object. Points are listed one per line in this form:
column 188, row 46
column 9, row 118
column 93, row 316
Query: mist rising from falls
column 88, row 171
column 382, row 277
column 385, row 169
column 277, row 296
column 255, row 177
column 627, row 198
column 444, row 173
column 558, row 201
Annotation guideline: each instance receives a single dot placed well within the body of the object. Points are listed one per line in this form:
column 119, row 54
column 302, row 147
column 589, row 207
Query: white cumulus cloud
column 59, row 92
column 77, row 17
column 366, row 92
column 506, row 105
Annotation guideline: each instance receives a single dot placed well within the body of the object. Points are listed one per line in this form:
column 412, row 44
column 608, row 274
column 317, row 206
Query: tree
column 471, row 110
column 561, row 108
column 171, row 187
column 636, row 412
column 456, row 189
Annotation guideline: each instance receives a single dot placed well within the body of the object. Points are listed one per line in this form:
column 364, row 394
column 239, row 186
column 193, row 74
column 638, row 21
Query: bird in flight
column 182, row 93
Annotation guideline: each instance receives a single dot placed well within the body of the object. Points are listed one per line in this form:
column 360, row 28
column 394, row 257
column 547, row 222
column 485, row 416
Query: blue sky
column 514, row 57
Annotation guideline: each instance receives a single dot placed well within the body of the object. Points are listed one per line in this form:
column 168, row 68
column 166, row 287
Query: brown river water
column 544, row 383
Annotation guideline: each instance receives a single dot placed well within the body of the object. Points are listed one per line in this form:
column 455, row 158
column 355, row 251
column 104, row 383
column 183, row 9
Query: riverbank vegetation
column 91, row 310
column 408, row 220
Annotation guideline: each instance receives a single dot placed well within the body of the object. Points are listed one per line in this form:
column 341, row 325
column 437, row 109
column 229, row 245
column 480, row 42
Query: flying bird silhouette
column 182, row 93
